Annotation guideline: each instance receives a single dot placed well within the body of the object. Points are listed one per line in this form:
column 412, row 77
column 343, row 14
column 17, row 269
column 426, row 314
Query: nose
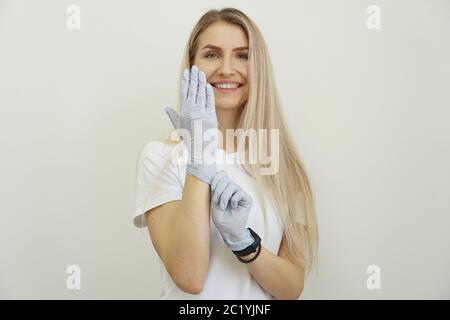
column 226, row 67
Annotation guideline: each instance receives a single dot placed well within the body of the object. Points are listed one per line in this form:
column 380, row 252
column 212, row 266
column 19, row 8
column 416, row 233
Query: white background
column 368, row 110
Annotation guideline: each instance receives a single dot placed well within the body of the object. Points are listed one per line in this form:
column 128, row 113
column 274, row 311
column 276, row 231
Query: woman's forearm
column 278, row 276
column 190, row 233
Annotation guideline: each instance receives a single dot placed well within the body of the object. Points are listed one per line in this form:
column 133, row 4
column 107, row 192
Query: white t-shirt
column 227, row 278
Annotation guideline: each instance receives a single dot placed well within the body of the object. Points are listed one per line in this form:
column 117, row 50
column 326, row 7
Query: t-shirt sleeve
column 158, row 180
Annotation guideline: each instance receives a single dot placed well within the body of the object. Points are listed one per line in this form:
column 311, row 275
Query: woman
column 226, row 231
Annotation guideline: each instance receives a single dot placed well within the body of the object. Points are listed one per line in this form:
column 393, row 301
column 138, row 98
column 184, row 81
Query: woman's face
column 222, row 55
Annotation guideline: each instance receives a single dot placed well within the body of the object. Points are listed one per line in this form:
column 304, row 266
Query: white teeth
column 227, row 86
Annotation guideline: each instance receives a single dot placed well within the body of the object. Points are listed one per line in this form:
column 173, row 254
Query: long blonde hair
column 289, row 189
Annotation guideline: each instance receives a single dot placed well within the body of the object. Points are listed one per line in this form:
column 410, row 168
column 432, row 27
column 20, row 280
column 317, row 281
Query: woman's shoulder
column 159, row 146
column 159, row 149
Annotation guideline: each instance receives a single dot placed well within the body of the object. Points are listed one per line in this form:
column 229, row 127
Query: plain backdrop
column 368, row 111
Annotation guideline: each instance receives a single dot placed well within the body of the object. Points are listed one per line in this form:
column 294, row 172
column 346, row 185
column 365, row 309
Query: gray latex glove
column 198, row 116
column 230, row 207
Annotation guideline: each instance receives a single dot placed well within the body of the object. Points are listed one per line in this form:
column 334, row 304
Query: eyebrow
column 220, row 49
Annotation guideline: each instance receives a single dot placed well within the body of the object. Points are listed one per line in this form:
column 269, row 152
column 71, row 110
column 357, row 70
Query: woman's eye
column 210, row 54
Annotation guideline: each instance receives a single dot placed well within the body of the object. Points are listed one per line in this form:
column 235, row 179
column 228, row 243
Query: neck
column 228, row 119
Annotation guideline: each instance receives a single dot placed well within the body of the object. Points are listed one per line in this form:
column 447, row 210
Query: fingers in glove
column 237, row 196
column 219, row 175
column 242, row 199
column 210, row 100
column 226, row 195
column 201, row 94
column 184, row 87
column 173, row 116
column 220, row 188
column 193, row 84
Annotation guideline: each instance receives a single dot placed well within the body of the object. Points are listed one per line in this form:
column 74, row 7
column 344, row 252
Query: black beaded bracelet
column 258, row 251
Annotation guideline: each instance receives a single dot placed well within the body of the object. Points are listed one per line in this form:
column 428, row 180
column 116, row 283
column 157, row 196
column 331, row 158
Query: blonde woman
column 223, row 229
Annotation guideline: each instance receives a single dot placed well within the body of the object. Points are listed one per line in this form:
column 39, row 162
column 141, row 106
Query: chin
column 227, row 106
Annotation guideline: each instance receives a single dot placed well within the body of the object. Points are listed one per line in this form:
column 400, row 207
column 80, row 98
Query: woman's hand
column 230, row 207
column 197, row 123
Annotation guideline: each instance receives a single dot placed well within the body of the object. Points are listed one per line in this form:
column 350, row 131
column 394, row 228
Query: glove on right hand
column 197, row 122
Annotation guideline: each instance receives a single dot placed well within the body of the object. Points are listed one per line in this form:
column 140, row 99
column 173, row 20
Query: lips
column 225, row 81
column 224, row 90
column 215, row 85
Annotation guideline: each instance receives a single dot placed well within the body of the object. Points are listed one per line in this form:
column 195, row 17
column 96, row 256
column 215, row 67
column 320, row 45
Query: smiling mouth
column 226, row 89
